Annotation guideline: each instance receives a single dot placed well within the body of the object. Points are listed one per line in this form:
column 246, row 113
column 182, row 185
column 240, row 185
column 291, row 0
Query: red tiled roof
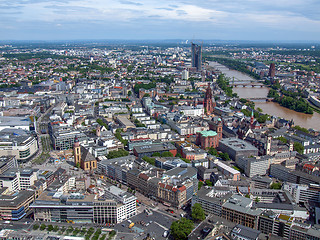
column 308, row 166
column 144, row 176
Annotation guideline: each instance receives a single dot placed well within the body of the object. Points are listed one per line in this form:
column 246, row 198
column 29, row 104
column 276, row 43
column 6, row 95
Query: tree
column 50, row 228
column 166, row 154
column 197, row 212
column 42, row 227
column 156, row 154
column 35, row 227
column 209, row 183
column 200, row 184
column 298, row 147
column 116, row 154
column 103, row 236
column 257, row 199
column 129, row 93
column 224, row 156
column 276, row 185
column 181, row 229
column 282, row 139
column 149, row 160
column 213, row 151
column 146, row 95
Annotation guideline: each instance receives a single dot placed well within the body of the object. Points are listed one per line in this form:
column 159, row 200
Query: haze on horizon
column 273, row 20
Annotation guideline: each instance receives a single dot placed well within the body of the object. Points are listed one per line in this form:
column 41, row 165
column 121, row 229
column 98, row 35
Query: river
column 271, row 108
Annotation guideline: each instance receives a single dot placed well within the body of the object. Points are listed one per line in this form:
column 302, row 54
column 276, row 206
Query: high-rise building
column 196, row 56
column 185, row 74
column 272, row 70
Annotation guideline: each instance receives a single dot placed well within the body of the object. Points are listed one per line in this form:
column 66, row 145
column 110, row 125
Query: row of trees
column 223, row 156
column 88, row 233
column 117, row 153
column 236, row 65
column 291, row 100
column 137, row 87
column 223, row 83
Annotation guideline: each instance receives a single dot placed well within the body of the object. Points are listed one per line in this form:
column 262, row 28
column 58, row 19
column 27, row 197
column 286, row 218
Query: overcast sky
column 160, row 19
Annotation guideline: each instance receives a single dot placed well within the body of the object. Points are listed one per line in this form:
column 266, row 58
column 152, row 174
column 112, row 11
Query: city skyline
column 96, row 19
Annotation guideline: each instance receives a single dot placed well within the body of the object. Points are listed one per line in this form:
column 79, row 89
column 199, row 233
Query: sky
column 257, row 20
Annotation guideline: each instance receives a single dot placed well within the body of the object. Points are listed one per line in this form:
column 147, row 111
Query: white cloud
column 297, row 15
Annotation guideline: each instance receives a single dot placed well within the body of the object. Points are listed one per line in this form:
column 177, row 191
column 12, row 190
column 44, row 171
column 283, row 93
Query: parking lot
column 155, row 224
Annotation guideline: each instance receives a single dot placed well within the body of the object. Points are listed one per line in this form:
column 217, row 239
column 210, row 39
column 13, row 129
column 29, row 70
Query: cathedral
column 208, row 102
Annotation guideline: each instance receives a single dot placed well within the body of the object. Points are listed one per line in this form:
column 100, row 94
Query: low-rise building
column 112, row 207
column 236, row 147
column 228, row 171
column 148, row 150
column 239, row 209
column 19, row 143
column 15, row 205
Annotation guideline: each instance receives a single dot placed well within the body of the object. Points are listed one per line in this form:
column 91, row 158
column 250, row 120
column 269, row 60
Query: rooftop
column 208, row 133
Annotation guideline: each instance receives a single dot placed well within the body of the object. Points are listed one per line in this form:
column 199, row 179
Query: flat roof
column 15, row 198
column 237, row 144
column 154, row 148
column 14, row 121
column 227, row 168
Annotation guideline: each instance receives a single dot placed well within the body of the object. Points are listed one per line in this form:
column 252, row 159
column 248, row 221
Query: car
column 147, row 224
column 165, row 234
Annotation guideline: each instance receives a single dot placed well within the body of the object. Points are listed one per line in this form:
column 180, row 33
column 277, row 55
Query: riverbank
column 271, row 108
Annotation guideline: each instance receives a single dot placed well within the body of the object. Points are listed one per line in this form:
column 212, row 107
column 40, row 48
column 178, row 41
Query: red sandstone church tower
column 208, row 102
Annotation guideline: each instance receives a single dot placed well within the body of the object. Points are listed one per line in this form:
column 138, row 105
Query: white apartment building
column 127, row 201
column 18, row 179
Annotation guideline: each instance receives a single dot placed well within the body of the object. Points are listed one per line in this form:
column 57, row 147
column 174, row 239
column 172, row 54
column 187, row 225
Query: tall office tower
column 196, row 56
column 272, row 70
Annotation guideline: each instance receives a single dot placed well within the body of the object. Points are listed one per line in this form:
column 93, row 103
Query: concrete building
column 303, row 193
column 236, row 147
column 15, row 205
column 128, row 201
column 293, row 176
column 19, row 143
column 238, row 209
column 227, row 171
column 148, row 150
column 7, row 162
column 23, row 123
column 116, row 168
column 18, row 179
column 112, row 207
column 287, row 227
column 244, row 233
column 212, row 200
column 254, row 165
